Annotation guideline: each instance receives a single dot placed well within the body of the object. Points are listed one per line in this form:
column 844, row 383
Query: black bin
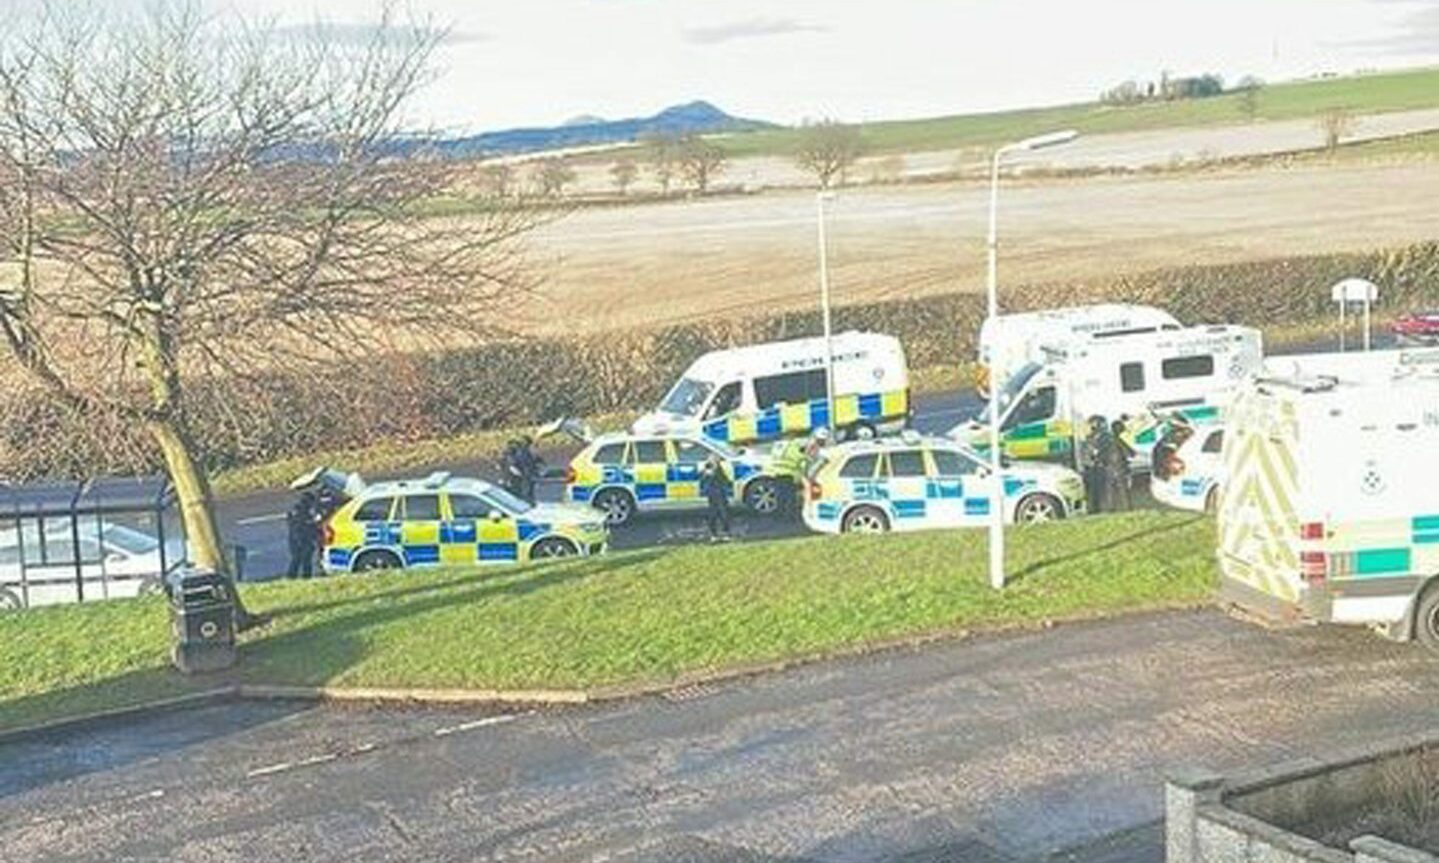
column 202, row 621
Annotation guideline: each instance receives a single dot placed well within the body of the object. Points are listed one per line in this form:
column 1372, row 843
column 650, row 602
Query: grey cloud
column 1418, row 33
column 748, row 29
column 362, row 34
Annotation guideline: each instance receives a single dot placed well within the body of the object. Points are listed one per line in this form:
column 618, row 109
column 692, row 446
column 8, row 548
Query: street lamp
column 819, row 200
column 996, row 498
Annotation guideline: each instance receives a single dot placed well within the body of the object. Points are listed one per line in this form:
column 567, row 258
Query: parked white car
column 115, row 562
column 1189, row 468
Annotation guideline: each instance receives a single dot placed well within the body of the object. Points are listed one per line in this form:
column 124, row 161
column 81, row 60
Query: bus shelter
column 81, row 541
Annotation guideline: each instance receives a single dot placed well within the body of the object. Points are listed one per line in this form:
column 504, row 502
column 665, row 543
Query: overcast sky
column 540, row 62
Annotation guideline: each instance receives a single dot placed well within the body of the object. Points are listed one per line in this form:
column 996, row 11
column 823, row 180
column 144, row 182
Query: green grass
column 1368, row 94
column 635, row 617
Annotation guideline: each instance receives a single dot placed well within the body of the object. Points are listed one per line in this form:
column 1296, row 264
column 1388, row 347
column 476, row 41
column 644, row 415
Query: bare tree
column 828, row 149
column 551, row 175
column 184, row 199
column 624, row 173
column 1248, row 89
column 1336, row 125
column 700, row 161
column 497, row 179
column 663, row 157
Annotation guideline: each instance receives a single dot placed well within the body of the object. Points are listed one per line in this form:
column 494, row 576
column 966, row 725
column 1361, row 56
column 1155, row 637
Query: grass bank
column 643, row 616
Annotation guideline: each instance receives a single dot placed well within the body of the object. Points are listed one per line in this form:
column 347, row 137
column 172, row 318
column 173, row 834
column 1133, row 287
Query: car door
column 907, row 480
column 420, row 521
column 956, row 490
column 460, row 531
column 649, row 464
column 686, row 459
column 499, row 533
column 1026, row 430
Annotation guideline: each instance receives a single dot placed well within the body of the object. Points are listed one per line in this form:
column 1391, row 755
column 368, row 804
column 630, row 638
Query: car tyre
column 373, row 561
column 1211, row 501
column 1426, row 617
column 617, row 505
column 1038, row 509
column 865, row 519
column 553, row 548
column 9, row 600
column 764, row 496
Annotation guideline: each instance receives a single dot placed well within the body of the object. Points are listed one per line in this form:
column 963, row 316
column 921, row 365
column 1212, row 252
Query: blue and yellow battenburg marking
column 650, row 482
column 797, row 419
column 451, row 542
column 878, row 491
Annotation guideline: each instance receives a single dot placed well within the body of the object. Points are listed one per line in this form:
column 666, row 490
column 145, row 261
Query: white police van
column 770, row 391
column 1007, row 343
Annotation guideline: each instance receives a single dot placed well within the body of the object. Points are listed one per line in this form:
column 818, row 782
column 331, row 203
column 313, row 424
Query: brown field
column 671, row 262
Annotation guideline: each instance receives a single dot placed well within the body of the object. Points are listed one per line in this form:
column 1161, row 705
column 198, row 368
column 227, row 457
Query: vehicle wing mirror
column 496, row 515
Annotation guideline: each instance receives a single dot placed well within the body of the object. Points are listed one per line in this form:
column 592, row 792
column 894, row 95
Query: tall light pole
column 819, row 200
column 996, row 496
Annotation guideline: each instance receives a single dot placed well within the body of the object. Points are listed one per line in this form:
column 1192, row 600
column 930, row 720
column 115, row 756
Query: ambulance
column 1331, row 509
column 776, row 390
column 1145, row 378
column 1008, row 343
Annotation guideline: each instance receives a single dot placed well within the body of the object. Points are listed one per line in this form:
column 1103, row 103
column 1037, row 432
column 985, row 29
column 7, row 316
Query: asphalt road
column 257, row 521
column 1042, row 746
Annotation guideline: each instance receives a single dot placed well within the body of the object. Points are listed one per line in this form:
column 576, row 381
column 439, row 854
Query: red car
column 1421, row 328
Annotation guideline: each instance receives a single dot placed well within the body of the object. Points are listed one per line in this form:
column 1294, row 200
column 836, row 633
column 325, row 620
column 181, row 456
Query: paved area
column 1043, row 746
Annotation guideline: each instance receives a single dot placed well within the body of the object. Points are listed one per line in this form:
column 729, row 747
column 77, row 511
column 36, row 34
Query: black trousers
column 717, row 518
column 302, row 560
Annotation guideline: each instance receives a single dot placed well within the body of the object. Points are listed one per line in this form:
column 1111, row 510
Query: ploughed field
column 612, row 267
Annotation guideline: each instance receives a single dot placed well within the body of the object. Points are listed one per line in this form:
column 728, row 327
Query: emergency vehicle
column 451, row 520
column 1142, row 378
column 624, row 474
column 1188, row 467
column 1331, row 510
column 770, row 391
column 1009, row 342
column 917, row 483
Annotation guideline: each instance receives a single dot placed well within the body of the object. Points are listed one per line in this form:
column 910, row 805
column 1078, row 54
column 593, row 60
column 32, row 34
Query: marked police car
column 621, row 474
column 916, row 483
column 1189, row 468
column 440, row 520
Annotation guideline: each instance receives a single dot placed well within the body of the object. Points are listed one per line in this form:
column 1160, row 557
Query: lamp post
column 996, row 498
column 820, row 200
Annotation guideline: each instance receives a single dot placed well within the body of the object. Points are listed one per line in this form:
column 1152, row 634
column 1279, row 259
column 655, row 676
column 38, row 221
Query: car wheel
column 553, row 547
column 9, row 600
column 763, row 496
column 1038, row 509
column 1426, row 617
column 371, row 561
column 1211, row 501
column 865, row 519
column 616, row 504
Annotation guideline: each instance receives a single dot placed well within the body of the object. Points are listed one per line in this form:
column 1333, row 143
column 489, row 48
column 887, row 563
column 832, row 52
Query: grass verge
column 644, row 616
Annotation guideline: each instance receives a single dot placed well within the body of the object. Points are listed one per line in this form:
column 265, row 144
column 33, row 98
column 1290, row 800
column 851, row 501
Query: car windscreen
column 508, row 502
column 687, row 398
column 1011, row 390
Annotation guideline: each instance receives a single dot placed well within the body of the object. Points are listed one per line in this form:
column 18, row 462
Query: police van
column 1009, row 342
column 1144, row 378
column 780, row 389
column 1331, row 509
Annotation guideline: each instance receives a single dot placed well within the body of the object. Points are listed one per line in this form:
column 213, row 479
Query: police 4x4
column 914, row 483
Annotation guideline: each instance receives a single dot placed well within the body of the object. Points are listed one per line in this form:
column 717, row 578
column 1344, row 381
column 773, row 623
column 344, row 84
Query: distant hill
column 699, row 118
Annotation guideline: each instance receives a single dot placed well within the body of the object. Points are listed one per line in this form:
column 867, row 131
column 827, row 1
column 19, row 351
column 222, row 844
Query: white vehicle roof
column 774, row 356
column 435, row 482
column 1206, row 335
column 1080, row 320
column 1375, row 382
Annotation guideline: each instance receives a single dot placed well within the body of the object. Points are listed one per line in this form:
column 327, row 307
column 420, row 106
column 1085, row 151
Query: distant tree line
column 1173, row 88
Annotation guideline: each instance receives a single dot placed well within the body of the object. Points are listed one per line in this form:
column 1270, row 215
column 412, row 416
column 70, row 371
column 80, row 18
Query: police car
column 1188, row 468
column 444, row 520
column 915, row 483
column 622, row 474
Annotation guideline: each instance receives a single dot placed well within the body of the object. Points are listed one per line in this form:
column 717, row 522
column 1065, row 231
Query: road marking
column 261, row 519
column 478, row 723
column 288, row 765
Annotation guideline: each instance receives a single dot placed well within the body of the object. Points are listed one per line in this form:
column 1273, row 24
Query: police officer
column 797, row 457
column 1096, row 447
column 716, row 487
column 302, row 524
column 512, row 473
column 530, row 467
column 1117, row 475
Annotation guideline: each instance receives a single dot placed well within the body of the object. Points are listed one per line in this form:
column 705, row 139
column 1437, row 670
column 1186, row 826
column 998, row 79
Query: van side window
column 1215, row 442
column 610, row 453
column 1131, row 377
column 860, row 467
column 1187, row 367
column 792, row 388
column 1038, row 405
column 726, row 401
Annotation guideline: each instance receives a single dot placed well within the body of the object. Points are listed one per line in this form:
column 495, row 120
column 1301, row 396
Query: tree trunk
column 197, row 510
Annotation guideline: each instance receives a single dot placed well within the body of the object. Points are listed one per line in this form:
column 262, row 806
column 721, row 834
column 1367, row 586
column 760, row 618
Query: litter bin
column 202, row 621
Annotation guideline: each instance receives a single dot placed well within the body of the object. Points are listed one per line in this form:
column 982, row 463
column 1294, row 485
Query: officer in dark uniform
column 1096, row 448
column 716, row 486
column 1117, row 471
column 302, row 523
